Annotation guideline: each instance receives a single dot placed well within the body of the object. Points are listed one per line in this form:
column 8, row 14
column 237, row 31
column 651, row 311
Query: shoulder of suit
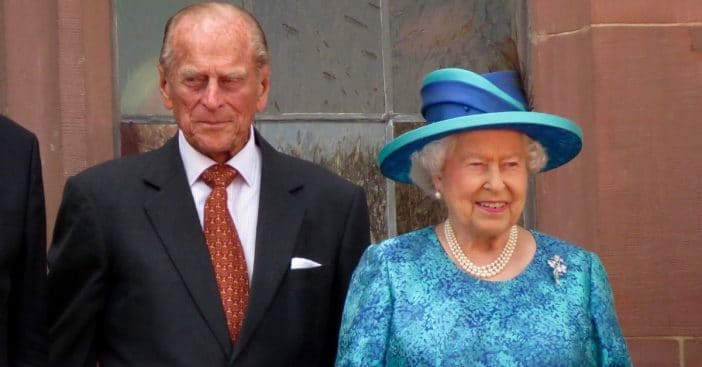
column 14, row 133
column 122, row 168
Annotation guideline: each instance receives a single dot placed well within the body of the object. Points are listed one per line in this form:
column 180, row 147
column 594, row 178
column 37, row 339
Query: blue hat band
column 508, row 82
column 444, row 100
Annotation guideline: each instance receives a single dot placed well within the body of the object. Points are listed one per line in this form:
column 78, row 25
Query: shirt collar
column 246, row 162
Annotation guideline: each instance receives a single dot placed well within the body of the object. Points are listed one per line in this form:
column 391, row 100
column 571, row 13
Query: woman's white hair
column 429, row 161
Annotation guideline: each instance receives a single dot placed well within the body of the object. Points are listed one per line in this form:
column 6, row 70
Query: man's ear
column 164, row 87
column 264, row 87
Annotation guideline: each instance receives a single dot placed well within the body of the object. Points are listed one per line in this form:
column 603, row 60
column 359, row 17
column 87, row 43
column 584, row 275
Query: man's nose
column 213, row 95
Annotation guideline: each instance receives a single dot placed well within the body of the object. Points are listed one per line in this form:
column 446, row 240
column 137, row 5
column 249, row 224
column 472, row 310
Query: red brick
column 555, row 16
column 693, row 352
column 654, row 352
column 646, row 11
column 634, row 193
column 559, row 83
column 649, row 190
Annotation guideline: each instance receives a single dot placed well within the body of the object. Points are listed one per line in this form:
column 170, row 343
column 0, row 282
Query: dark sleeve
column 355, row 240
column 27, row 304
column 77, row 267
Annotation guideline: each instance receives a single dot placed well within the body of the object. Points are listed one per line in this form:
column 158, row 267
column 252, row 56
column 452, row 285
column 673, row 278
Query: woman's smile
column 492, row 207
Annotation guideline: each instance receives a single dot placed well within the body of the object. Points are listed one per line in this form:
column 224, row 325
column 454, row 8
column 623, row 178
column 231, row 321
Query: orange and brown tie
column 224, row 245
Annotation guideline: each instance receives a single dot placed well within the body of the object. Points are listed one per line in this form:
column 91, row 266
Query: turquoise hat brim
column 560, row 137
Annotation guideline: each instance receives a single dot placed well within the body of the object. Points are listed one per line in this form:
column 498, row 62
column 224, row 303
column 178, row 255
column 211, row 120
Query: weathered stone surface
column 621, row 197
column 648, row 128
column 556, row 86
column 693, row 352
column 654, row 352
column 645, row 11
column 554, row 16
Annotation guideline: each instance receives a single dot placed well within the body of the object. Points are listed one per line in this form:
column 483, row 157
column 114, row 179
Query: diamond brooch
column 559, row 268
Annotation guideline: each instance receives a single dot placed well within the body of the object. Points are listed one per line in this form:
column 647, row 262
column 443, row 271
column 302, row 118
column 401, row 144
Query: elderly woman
column 478, row 289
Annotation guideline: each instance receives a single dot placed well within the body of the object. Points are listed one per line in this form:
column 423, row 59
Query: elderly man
column 22, row 249
column 214, row 250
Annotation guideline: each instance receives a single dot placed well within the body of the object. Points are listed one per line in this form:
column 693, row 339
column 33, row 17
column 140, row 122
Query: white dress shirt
column 242, row 193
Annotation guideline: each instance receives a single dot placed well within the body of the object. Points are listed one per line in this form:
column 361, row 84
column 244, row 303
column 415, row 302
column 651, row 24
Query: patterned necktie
column 224, row 245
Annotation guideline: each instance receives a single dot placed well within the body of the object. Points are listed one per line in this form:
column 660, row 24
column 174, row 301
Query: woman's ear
column 438, row 183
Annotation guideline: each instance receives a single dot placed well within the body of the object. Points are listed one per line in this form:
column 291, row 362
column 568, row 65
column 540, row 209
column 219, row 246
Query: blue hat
column 457, row 100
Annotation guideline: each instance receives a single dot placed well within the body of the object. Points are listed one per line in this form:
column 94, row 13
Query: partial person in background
column 478, row 289
column 23, row 329
column 214, row 250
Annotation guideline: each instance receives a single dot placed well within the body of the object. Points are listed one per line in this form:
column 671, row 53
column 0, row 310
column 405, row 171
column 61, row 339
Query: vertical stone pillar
column 57, row 80
column 629, row 73
column 31, row 96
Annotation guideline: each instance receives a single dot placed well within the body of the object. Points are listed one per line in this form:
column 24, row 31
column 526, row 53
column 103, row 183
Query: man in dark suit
column 23, row 329
column 146, row 270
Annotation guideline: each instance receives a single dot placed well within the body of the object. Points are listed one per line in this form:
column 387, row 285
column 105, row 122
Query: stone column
column 630, row 73
column 56, row 62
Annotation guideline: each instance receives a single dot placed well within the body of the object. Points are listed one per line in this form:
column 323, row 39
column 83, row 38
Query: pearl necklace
column 485, row 271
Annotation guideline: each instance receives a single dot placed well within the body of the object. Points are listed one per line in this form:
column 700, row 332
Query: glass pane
column 139, row 31
column 347, row 148
column 477, row 34
column 326, row 57
column 139, row 138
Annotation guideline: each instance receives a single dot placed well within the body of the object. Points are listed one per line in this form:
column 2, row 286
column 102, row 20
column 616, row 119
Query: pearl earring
column 437, row 195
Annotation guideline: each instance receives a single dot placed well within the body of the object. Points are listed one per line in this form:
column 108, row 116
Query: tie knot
column 219, row 175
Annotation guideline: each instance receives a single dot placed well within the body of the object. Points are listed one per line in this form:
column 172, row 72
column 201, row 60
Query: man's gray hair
column 258, row 37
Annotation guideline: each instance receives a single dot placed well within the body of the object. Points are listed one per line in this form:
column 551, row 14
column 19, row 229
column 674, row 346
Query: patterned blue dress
column 410, row 305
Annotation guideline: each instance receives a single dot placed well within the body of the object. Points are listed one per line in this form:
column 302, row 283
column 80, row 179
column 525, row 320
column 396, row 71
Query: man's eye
column 229, row 82
column 194, row 80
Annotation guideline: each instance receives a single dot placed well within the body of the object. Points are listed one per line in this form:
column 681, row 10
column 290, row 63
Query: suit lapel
column 174, row 217
column 280, row 216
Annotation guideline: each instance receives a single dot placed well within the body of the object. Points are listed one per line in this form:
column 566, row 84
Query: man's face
column 213, row 85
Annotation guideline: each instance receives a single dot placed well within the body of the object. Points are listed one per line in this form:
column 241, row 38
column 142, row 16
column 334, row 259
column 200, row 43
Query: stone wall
column 630, row 72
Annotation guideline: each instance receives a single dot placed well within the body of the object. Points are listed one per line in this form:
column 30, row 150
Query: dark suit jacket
column 131, row 282
column 22, row 249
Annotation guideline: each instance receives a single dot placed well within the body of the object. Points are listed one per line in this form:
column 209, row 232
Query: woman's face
column 484, row 181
